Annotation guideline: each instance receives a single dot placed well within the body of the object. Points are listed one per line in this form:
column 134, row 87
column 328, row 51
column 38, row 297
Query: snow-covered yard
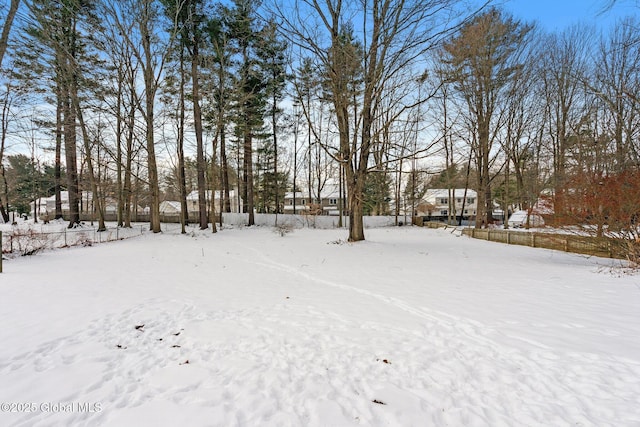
column 413, row 327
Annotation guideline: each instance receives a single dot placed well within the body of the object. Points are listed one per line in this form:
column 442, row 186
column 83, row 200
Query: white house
column 47, row 205
column 170, row 207
column 40, row 206
column 436, row 203
column 192, row 201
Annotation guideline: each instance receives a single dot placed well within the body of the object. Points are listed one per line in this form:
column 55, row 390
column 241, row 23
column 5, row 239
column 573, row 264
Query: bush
column 608, row 205
column 28, row 242
column 284, row 228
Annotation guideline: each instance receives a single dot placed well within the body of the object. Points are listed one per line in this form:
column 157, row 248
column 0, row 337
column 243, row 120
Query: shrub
column 28, row 242
column 283, row 228
column 608, row 205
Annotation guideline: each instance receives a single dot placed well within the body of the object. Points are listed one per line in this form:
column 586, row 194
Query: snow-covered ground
column 413, row 327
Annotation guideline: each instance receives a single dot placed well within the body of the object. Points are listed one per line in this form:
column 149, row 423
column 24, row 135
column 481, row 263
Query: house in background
column 326, row 204
column 40, row 206
column 170, row 207
column 300, row 202
column 525, row 219
column 435, row 204
column 192, row 202
column 46, row 206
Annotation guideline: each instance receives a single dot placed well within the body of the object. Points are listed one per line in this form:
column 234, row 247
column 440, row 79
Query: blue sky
column 560, row 14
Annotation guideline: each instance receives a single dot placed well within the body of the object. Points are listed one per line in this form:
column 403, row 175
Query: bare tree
column 616, row 80
column 137, row 22
column 563, row 68
column 521, row 137
column 394, row 36
column 483, row 58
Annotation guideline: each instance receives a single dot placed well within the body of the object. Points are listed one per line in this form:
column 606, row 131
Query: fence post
column 65, row 237
column 0, row 251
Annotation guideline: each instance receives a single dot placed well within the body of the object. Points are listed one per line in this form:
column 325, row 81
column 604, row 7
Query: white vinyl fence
column 309, row 221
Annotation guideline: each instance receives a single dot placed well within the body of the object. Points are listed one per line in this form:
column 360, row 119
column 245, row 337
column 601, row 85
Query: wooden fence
column 587, row 245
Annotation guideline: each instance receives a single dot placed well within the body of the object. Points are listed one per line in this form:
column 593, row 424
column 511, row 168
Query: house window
column 458, row 200
column 303, row 202
column 444, row 212
column 471, row 200
column 444, row 201
column 333, row 201
column 290, row 202
column 466, row 211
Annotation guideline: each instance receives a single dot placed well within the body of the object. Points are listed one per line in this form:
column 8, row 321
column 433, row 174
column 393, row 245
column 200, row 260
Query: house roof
column 329, row 191
column 170, row 205
column 298, row 207
column 194, row 194
column 444, row 192
column 289, row 195
column 43, row 202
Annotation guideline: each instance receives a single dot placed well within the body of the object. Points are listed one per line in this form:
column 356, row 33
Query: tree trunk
column 356, row 209
column 224, row 172
column 150, row 91
column 87, row 148
column 5, row 192
column 274, row 129
column 119, row 131
column 70, row 150
column 214, row 186
column 3, row 207
column 248, row 175
column 182, row 181
column 154, row 188
column 197, row 122
column 309, row 148
column 57, row 167
column 4, row 38
column 126, row 188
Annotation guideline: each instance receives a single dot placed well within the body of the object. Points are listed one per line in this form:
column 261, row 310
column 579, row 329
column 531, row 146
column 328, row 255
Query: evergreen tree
column 415, row 189
column 270, row 189
column 218, row 31
column 249, row 102
column 377, row 194
column 58, row 35
column 271, row 50
column 26, row 182
column 483, row 58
